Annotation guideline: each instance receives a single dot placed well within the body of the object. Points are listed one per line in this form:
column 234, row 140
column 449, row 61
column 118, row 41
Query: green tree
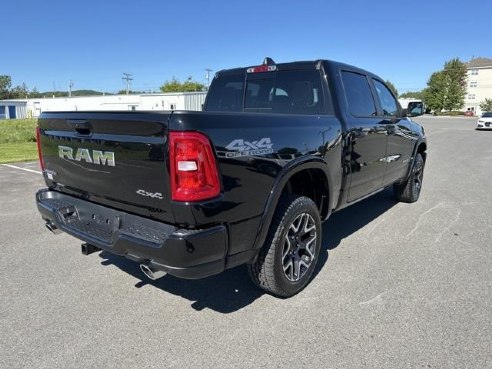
column 34, row 93
column 446, row 89
column 174, row 85
column 86, row 93
column 191, row 85
column 5, row 84
column 130, row 92
column 456, row 78
column 417, row 95
column 435, row 93
column 392, row 88
column 19, row 92
column 486, row 105
column 171, row 86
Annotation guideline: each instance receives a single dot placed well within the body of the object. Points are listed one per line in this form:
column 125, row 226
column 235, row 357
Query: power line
column 207, row 76
column 127, row 78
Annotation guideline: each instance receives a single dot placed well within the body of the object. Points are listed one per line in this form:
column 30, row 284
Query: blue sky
column 94, row 42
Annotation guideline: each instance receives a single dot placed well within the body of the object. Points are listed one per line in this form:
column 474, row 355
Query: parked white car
column 485, row 121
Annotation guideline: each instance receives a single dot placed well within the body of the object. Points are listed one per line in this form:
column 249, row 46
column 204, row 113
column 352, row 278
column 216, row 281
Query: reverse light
column 194, row 173
column 40, row 154
column 187, row 166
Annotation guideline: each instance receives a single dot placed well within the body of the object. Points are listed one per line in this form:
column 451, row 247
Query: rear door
column 114, row 158
column 367, row 136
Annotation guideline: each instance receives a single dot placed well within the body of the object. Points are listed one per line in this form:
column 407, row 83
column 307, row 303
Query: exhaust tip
column 52, row 228
column 151, row 272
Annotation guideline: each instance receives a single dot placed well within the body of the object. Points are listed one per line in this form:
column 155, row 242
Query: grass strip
column 19, row 151
column 17, row 130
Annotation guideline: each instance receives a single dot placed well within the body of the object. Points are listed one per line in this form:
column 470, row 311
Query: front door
column 399, row 134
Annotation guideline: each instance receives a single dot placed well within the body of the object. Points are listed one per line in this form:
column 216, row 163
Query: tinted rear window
column 226, row 94
column 294, row 92
column 359, row 96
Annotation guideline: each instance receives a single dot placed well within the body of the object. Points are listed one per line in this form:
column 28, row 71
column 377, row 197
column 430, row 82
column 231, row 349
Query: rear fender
column 288, row 171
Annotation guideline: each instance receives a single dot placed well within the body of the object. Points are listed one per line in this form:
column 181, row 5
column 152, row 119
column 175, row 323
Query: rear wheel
column 288, row 258
column 409, row 191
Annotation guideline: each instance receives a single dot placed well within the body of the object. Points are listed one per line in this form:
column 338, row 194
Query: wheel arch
column 419, row 148
column 422, row 149
column 292, row 180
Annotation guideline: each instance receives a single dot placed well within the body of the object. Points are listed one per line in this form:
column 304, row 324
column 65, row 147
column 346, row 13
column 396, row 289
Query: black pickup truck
column 276, row 149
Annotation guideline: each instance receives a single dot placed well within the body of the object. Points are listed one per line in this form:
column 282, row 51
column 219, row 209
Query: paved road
column 401, row 286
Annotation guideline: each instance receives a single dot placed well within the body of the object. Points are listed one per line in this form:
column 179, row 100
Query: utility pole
column 207, row 76
column 70, row 85
column 127, row 78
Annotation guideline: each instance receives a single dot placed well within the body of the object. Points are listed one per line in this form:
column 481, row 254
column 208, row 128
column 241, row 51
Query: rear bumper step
column 184, row 253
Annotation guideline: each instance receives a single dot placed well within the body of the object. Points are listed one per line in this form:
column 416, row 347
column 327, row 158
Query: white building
column 479, row 85
column 27, row 108
column 12, row 109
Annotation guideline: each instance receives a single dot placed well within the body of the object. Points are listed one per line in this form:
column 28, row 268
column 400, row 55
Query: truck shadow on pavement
column 232, row 290
column 349, row 220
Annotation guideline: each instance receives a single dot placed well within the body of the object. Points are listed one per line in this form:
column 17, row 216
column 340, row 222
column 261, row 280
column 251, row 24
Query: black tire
column 288, row 258
column 409, row 191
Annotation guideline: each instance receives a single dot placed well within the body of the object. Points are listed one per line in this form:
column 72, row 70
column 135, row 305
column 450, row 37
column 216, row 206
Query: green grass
column 17, row 130
column 18, row 140
column 20, row 151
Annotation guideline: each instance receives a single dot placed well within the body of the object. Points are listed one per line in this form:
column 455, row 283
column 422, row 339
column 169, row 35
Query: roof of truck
column 297, row 65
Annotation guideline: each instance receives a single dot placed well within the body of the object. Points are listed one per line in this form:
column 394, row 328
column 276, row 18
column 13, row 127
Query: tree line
column 23, row 92
column 17, row 92
column 446, row 89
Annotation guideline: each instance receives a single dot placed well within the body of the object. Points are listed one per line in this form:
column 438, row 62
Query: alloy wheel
column 299, row 247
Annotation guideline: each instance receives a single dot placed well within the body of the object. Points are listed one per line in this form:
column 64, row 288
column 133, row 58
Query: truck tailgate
column 114, row 158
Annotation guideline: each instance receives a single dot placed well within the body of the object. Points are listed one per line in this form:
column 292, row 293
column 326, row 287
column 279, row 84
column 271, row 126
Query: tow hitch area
column 88, row 249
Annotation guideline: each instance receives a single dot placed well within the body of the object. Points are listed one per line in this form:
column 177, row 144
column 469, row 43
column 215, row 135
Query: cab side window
column 388, row 102
column 359, row 96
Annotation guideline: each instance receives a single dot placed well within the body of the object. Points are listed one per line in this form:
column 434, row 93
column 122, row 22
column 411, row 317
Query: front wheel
column 288, row 258
column 409, row 191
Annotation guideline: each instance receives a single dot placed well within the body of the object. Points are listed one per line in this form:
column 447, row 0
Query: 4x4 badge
column 240, row 147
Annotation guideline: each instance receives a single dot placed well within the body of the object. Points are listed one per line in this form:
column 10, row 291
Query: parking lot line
column 26, row 169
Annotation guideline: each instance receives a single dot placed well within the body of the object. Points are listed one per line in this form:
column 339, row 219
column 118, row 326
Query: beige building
column 479, row 83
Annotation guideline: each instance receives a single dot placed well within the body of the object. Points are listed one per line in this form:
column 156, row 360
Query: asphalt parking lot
column 400, row 286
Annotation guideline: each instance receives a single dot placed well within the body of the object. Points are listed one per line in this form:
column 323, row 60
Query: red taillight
column 38, row 142
column 194, row 174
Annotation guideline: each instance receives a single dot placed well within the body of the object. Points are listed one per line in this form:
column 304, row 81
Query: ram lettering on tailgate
column 97, row 157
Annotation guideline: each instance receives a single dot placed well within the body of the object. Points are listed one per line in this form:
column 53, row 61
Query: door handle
column 82, row 127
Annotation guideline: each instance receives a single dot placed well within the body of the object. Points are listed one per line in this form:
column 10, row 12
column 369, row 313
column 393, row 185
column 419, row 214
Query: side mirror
column 415, row 108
